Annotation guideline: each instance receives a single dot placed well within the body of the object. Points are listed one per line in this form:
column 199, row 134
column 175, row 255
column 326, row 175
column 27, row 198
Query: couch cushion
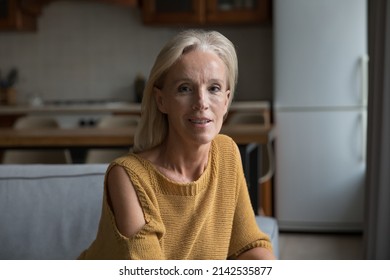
column 270, row 226
column 49, row 211
column 53, row 211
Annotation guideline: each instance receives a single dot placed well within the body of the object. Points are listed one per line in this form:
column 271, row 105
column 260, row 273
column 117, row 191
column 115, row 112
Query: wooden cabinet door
column 173, row 11
column 13, row 18
column 238, row 11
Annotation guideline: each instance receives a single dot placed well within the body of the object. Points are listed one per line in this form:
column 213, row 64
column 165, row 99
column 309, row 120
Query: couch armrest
column 270, row 226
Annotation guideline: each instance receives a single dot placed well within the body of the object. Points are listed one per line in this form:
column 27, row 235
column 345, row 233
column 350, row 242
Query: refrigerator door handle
column 363, row 122
column 364, row 97
column 364, row 79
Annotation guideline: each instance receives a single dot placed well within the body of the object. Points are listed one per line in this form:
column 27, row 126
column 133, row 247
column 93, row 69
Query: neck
column 181, row 163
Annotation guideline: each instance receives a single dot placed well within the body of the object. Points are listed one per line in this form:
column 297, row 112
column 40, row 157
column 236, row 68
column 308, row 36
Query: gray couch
column 52, row 211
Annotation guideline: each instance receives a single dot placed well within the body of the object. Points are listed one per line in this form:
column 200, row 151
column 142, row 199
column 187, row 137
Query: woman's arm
column 124, row 202
column 257, row 253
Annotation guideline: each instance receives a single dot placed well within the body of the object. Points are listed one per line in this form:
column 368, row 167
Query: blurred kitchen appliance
column 320, row 113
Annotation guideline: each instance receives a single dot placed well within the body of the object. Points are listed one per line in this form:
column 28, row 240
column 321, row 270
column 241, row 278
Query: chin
column 205, row 138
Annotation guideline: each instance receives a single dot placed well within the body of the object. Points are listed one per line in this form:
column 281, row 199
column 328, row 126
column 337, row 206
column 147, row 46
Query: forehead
column 198, row 63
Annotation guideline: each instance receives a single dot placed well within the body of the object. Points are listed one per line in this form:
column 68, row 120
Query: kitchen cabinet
column 202, row 12
column 129, row 3
column 22, row 15
column 18, row 15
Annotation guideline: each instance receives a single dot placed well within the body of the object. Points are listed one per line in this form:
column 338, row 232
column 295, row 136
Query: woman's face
column 195, row 97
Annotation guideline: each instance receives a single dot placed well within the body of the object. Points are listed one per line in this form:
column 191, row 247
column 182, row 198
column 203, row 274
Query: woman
column 182, row 194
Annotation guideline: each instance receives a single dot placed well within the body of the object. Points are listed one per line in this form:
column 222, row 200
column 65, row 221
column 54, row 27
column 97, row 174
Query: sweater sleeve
column 146, row 244
column 245, row 232
column 111, row 244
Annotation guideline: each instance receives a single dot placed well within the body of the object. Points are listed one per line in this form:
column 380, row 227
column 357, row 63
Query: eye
column 215, row 89
column 184, row 89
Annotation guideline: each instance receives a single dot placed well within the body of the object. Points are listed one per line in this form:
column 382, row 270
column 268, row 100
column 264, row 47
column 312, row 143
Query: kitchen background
column 86, row 50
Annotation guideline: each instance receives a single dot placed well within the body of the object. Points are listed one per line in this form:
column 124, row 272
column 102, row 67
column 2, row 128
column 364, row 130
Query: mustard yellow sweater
column 210, row 218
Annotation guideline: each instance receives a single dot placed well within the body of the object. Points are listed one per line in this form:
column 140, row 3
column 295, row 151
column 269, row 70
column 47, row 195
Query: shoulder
column 130, row 173
column 129, row 160
column 222, row 140
column 138, row 171
column 226, row 144
column 117, row 175
column 226, row 152
column 134, row 165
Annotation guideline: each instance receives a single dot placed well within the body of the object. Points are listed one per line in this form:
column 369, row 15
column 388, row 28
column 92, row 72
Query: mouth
column 200, row 121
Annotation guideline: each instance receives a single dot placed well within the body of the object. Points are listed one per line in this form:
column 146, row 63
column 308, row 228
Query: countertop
column 112, row 137
column 111, row 107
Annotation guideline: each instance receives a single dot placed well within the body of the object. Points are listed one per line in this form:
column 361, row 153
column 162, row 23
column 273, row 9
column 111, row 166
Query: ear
column 227, row 99
column 158, row 95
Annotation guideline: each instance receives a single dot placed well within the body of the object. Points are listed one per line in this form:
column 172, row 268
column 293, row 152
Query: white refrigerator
column 320, row 114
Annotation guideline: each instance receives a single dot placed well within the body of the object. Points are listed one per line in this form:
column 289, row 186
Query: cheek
column 168, row 104
column 176, row 107
column 221, row 104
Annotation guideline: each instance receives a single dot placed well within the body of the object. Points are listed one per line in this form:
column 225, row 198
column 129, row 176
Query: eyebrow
column 188, row 79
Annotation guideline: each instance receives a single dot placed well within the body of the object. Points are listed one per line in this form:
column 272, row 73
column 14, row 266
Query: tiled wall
column 88, row 50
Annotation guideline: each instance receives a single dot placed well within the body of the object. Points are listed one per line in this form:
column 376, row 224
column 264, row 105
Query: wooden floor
column 303, row 246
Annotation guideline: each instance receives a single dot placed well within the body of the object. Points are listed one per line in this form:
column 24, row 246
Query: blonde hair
column 153, row 126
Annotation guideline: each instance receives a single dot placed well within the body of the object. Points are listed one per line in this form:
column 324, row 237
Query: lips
column 200, row 121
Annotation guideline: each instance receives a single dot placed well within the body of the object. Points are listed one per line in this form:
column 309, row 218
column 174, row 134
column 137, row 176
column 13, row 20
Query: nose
column 200, row 102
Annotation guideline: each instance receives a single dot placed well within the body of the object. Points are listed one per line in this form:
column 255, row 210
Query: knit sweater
column 210, row 218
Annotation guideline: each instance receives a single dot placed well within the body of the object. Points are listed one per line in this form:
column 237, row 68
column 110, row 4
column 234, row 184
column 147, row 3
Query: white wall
column 94, row 50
